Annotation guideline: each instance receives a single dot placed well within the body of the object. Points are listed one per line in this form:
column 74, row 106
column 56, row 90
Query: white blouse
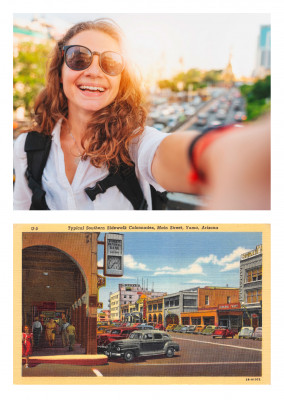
column 61, row 195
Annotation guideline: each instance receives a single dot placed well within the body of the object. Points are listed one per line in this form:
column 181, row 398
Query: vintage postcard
column 142, row 304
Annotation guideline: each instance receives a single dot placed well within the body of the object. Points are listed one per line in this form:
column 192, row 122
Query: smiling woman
column 89, row 148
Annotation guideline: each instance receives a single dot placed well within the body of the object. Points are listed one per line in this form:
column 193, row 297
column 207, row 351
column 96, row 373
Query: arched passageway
column 52, row 283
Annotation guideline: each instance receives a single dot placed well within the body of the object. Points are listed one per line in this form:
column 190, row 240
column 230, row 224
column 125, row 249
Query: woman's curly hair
column 110, row 129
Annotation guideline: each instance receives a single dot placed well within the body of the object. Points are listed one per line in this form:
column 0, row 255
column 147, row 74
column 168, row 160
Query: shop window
column 189, row 302
column 185, row 320
column 196, row 321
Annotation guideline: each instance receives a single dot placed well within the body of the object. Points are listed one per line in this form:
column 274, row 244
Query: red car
column 160, row 327
column 224, row 332
column 115, row 334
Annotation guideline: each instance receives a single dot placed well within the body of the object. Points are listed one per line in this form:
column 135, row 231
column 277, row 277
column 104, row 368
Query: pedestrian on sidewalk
column 64, row 333
column 71, row 335
column 37, row 331
column 27, row 345
column 50, row 332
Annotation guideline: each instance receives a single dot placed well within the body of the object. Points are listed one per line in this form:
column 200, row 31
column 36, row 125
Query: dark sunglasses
column 79, row 58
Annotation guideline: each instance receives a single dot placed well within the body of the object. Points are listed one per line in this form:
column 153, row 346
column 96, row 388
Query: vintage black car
column 143, row 344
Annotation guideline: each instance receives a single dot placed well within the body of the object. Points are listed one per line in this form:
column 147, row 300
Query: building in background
column 129, row 294
column 155, row 310
column 263, row 56
column 251, row 286
column 104, row 316
column 184, row 301
column 209, row 301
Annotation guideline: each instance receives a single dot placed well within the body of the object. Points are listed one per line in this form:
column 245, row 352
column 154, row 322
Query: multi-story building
column 104, row 316
column 129, row 294
column 209, row 300
column 251, row 286
column 263, row 60
column 175, row 304
column 114, row 302
column 155, row 310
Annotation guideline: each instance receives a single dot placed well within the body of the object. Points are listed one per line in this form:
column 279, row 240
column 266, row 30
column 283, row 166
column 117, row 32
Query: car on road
column 170, row 327
column 209, row 330
column 116, row 333
column 246, row 332
column 191, row 329
column 240, row 116
column 257, row 334
column 178, row 328
column 198, row 329
column 143, row 344
column 159, row 327
column 221, row 114
column 224, row 332
column 159, row 126
column 201, row 119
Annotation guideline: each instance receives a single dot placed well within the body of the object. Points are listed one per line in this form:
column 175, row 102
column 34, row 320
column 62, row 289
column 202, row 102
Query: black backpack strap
column 37, row 147
column 126, row 181
column 159, row 199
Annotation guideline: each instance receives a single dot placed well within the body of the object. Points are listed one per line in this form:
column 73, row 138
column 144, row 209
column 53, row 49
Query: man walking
column 71, row 334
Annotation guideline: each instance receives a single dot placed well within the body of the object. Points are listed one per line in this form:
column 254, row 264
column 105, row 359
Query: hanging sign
column 113, row 263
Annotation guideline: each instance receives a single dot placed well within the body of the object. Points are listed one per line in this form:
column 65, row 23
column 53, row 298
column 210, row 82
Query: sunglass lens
column 78, row 58
column 111, row 63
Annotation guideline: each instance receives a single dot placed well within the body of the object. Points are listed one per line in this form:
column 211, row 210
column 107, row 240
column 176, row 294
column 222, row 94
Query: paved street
column 199, row 356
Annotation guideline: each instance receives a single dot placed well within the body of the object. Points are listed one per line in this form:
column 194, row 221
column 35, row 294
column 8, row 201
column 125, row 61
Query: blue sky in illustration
column 176, row 261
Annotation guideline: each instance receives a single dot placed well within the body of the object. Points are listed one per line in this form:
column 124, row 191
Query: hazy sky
column 158, row 41
column 176, row 261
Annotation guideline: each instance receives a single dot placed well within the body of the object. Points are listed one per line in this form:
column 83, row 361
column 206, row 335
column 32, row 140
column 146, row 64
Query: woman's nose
column 95, row 68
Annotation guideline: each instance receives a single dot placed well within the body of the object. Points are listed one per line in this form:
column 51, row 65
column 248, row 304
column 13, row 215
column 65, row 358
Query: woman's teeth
column 92, row 88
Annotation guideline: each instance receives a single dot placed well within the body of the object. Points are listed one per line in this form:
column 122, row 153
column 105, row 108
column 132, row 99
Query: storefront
column 200, row 318
column 230, row 315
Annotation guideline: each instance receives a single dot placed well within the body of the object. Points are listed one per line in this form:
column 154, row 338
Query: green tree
column 29, row 73
column 257, row 97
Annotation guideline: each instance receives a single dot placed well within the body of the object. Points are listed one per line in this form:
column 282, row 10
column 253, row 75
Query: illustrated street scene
column 143, row 304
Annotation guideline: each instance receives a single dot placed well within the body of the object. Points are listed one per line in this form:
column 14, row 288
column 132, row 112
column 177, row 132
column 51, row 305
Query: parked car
column 170, row 327
column 257, row 334
column 246, row 332
column 209, row 329
column 116, row 333
column 198, row 329
column 183, row 329
column 191, row 329
column 159, row 327
column 143, row 344
column 144, row 326
column 224, row 332
column 178, row 328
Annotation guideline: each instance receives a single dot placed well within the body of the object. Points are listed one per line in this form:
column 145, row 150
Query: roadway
column 200, row 356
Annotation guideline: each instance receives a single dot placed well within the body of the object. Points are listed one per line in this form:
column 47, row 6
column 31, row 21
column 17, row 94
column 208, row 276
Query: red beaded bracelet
column 197, row 147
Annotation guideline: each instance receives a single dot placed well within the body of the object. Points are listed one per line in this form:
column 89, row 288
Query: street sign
column 113, row 263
